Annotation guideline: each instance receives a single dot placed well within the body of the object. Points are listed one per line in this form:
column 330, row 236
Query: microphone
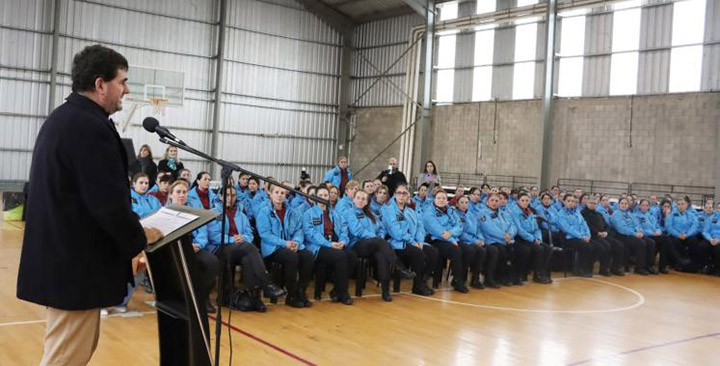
column 152, row 125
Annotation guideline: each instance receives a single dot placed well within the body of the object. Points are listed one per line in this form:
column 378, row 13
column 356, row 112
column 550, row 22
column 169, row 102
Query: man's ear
column 100, row 86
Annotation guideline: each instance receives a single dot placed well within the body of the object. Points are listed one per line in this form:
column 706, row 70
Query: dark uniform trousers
column 338, row 260
column 380, row 250
column 297, row 268
column 539, row 255
column 613, row 254
column 698, row 251
column 497, row 268
column 668, row 251
column 207, row 268
column 254, row 273
column 584, row 254
column 473, row 257
column 642, row 248
column 421, row 261
column 448, row 250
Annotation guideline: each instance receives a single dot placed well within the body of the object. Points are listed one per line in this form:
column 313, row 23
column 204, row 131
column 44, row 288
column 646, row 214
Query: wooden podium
column 183, row 339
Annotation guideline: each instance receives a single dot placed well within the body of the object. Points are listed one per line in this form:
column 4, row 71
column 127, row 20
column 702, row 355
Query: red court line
column 260, row 340
column 666, row 344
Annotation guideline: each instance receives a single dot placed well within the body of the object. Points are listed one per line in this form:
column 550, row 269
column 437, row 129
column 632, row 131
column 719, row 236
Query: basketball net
column 158, row 105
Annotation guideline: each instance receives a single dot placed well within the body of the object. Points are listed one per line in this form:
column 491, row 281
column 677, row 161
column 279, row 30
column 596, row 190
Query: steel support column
column 219, row 75
column 550, row 25
column 343, row 136
column 423, row 137
column 54, row 56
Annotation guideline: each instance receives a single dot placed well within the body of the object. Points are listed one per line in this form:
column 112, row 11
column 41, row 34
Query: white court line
column 640, row 302
column 119, row 315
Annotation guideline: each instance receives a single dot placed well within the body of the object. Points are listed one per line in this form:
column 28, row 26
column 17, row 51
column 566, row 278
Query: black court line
column 625, row 353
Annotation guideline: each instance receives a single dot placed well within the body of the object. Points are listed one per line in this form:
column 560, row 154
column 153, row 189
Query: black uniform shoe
column 306, row 302
column 492, row 284
column 422, row 290
column 461, row 288
column 260, row 306
column 477, row 284
column 642, row 272
column 386, row 296
column 294, row 301
column 652, row 271
column 346, row 299
column 605, row 273
column 334, row 296
column 538, row 279
column 618, row 272
column 272, row 291
column 586, row 274
column 210, row 309
column 663, row 270
column 517, row 282
column 546, row 280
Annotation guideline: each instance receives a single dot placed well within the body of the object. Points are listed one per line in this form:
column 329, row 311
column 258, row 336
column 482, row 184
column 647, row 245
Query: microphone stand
column 227, row 169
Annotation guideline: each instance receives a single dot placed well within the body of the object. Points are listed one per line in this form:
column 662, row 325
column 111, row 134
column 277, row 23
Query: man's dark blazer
column 80, row 231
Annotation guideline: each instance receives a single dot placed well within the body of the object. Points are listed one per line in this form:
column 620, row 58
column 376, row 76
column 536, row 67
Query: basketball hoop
column 158, row 105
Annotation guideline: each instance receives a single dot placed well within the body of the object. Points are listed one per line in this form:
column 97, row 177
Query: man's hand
column 139, row 263
column 153, row 235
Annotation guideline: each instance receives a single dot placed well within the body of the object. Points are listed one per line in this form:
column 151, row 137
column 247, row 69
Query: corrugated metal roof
column 363, row 10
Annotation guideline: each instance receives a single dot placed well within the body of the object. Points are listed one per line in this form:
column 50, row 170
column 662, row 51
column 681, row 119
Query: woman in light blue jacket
column 445, row 230
column 143, row 204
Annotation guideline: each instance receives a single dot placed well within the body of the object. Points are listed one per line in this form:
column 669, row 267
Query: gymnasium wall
column 668, row 139
column 279, row 91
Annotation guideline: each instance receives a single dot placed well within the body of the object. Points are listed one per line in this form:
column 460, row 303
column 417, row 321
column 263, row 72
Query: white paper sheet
column 167, row 220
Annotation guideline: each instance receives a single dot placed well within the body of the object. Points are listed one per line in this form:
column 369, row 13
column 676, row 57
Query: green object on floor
column 14, row 214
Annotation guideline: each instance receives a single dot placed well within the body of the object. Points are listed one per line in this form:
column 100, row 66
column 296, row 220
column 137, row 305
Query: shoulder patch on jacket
column 483, row 218
column 317, row 221
column 360, row 216
column 400, row 217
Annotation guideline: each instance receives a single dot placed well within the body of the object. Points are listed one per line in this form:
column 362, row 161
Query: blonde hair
column 179, row 182
column 166, row 156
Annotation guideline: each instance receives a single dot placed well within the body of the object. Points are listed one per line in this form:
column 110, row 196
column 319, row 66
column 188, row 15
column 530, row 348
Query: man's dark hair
column 94, row 62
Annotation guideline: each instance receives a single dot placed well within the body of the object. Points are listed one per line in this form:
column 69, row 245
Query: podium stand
column 183, row 339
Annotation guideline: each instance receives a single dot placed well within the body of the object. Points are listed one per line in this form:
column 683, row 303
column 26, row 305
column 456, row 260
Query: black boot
column 475, row 282
column 459, row 286
column 385, row 286
column 258, row 304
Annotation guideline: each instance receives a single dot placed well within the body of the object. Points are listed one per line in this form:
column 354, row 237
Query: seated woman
column 239, row 242
column 143, row 204
column 711, row 233
column 201, row 196
column 366, row 235
column 346, row 203
column 145, row 164
column 664, row 244
column 301, row 203
column 529, row 244
column 445, row 230
column 380, row 199
column 631, row 234
column 612, row 261
column 206, row 264
column 472, row 242
column 161, row 188
column 282, row 241
column 242, row 188
column 683, row 227
column 326, row 236
column 421, row 199
column 170, row 162
column 334, row 195
column 475, row 203
column 577, row 237
column 406, row 236
column 548, row 227
column 499, row 233
column 253, row 189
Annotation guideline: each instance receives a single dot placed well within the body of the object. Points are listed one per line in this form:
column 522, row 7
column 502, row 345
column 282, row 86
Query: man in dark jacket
column 614, row 249
column 392, row 177
column 80, row 234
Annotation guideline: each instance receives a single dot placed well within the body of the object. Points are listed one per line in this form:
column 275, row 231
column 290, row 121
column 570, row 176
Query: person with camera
column 392, row 177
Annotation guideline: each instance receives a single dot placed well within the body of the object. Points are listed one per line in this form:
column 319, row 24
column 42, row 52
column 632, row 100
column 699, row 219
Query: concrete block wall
column 672, row 141
column 375, row 129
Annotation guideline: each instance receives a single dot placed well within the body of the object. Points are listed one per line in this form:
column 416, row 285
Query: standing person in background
column 145, row 164
column 391, row 176
column 430, row 175
column 171, row 162
column 339, row 175
column 88, row 231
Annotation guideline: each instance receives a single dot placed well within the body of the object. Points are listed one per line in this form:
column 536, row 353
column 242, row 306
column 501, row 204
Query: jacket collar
column 87, row 103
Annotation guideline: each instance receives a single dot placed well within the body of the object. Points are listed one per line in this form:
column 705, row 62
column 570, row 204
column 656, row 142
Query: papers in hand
column 167, row 220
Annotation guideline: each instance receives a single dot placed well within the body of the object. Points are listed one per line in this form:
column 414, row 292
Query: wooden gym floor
column 659, row 320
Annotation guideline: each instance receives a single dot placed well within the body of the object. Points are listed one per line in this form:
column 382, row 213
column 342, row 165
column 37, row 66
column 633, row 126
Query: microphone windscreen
column 150, row 124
